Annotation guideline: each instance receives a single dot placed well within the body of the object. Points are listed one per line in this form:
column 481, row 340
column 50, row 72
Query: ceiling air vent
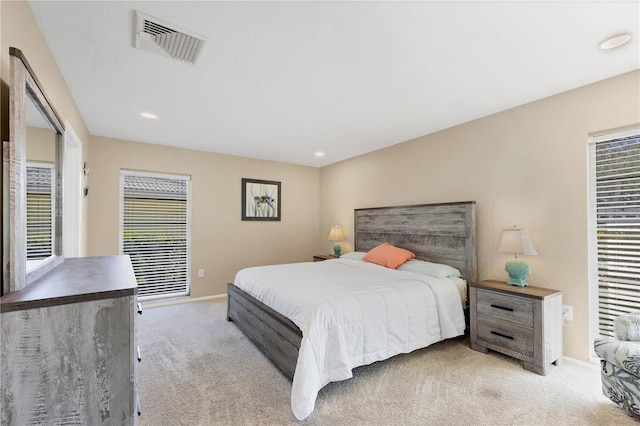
column 158, row 36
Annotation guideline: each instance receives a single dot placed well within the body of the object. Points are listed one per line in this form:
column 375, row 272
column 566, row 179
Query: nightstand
column 522, row 322
column 323, row 257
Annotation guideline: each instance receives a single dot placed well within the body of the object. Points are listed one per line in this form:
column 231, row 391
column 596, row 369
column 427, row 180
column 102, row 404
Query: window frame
column 187, row 178
column 592, row 246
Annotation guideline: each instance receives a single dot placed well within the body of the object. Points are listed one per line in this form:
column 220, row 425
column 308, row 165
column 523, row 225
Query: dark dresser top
column 78, row 279
column 528, row 291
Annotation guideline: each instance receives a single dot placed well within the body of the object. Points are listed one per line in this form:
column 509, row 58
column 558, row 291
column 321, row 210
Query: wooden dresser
column 68, row 346
column 522, row 322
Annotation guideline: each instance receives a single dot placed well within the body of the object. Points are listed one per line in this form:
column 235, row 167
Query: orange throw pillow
column 387, row 255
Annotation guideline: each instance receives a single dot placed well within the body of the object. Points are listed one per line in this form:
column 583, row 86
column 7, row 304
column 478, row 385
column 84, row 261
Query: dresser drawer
column 509, row 336
column 504, row 307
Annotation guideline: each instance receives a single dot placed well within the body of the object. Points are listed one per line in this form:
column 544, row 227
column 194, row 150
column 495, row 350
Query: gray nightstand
column 323, row 257
column 522, row 322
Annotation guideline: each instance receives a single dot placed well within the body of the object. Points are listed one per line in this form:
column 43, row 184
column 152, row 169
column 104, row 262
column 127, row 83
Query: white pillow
column 354, row 255
column 438, row 270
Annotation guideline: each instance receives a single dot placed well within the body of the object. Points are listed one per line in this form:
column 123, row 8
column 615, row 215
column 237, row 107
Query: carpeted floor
column 199, row 369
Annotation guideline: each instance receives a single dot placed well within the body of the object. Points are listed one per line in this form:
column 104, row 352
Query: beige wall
column 525, row 166
column 19, row 29
column 221, row 243
column 41, row 144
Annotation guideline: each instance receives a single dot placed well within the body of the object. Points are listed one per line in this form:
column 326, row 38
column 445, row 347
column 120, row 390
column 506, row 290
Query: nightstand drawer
column 522, row 322
column 503, row 307
column 509, row 336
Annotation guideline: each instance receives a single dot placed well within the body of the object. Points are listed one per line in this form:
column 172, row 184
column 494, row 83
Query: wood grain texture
column 454, row 235
column 275, row 335
column 24, row 87
column 522, row 322
column 14, row 271
column 528, row 292
column 76, row 280
column 71, row 363
column 507, row 308
column 441, row 233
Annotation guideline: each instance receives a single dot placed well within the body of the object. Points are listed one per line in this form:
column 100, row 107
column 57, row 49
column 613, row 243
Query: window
column 155, row 232
column 614, row 180
column 40, row 210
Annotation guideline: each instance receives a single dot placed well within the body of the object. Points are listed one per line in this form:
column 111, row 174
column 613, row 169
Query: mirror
column 40, row 187
column 32, row 181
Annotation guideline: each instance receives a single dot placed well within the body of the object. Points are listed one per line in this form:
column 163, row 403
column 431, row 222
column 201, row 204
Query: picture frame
column 261, row 200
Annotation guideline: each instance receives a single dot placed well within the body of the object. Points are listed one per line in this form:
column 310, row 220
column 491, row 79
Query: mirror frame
column 23, row 84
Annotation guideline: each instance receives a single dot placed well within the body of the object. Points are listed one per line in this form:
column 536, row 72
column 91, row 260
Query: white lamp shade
column 335, row 233
column 516, row 241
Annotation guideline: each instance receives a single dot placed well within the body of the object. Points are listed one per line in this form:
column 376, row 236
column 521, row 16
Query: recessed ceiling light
column 319, row 154
column 148, row 115
column 614, row 42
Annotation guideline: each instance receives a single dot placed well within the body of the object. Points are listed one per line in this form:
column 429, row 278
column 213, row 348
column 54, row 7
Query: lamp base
column 336, row 250
column 518, row 271
column 517, row 282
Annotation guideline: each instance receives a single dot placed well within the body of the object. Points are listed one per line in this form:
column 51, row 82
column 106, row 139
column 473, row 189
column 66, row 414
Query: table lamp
column 516, row 241
column 335, row 235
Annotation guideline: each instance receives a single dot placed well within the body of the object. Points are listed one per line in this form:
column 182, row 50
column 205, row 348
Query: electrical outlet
column 200, row 273
column 567, row 313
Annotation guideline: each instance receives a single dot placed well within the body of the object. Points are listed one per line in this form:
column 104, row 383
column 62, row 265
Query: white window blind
column 615, row 188
column 39, row 211
column 155, row 232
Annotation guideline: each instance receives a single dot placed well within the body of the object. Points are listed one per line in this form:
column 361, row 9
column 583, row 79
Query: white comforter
column 353, row 313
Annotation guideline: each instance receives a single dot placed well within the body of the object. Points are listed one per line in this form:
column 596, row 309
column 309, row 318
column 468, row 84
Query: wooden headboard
column 442, row 233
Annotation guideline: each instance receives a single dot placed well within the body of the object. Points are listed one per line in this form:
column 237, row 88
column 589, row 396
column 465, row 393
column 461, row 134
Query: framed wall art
column 261, row 199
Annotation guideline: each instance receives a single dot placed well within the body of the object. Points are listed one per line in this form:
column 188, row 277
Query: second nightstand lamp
column 335, row 235
column 516, row 241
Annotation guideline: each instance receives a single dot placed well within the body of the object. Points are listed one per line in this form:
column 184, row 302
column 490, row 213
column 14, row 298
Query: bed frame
column 442, row 233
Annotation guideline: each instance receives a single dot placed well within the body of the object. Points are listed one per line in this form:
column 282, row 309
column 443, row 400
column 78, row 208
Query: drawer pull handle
column 138, row 406
column 139, row 308
column 502, row 335
column 502, row 307
column 139, row 356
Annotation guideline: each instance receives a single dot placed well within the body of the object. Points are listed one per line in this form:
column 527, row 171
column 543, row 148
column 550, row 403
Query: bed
column 441, row 233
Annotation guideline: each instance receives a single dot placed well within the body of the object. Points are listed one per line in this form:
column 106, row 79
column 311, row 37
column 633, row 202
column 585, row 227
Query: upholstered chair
column 621, row 362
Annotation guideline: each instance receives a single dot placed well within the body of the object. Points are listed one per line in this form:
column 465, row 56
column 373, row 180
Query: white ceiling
column 281, row 80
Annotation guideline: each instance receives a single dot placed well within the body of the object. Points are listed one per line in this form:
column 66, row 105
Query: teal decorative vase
column 518, row 271
column 336, row 250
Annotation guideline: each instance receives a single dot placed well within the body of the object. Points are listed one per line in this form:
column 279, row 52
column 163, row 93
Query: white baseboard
column 179, row 300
